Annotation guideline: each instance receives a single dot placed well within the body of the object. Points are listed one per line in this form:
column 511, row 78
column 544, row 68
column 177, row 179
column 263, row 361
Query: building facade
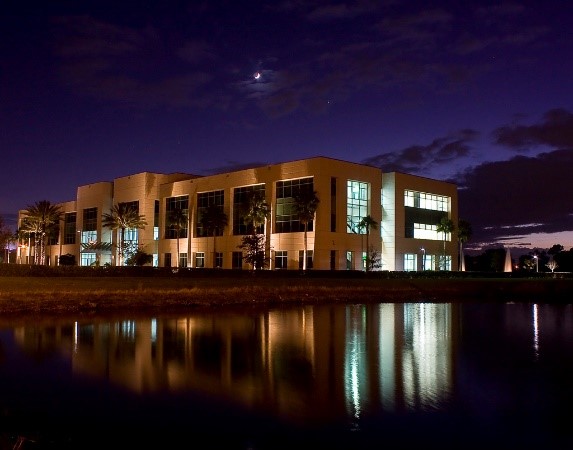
column 406, row 211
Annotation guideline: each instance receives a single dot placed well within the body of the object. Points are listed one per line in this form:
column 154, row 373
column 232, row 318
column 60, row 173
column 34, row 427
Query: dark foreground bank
column 45, row 292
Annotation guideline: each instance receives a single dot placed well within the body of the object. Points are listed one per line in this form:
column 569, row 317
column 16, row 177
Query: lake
column 388, row 375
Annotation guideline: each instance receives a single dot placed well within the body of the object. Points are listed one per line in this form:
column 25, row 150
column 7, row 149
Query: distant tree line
column 555, row 259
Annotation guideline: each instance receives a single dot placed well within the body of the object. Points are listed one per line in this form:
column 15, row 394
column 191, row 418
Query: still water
column 424, row 375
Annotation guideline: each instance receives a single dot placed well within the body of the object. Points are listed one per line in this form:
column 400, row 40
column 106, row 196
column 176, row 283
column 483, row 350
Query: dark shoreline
column 34, row 298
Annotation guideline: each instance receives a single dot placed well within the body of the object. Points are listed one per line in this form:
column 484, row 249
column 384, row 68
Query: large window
column 200, row 259
column 131, row 235
column 90, row 219
column 241, row 197
column 287, row 220
column 424, row 200
column 173, row 204
column 205, row 200
column 70, row 228
column 423, row 212
column 357, row 198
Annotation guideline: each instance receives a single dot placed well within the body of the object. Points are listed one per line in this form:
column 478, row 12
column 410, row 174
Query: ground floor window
column 167, row 260
column 199, row 260
column 237, row 260
column 428, row 262
column 445, row 262
column 155, row 262
column 308, row 259
column 219, row 260
column 88, row 259
column 280, row 259
column 183, row 260
column 349, row 260
column 410, row 262
column 332, row 259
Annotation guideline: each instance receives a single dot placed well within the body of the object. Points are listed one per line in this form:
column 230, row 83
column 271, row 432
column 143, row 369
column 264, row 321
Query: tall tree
column 445, row 226
column 214, row 220
column 367, row 223
column 41, row 219
column 305, row 205
column 177, row 219
column 123, row 217
column 257, row 211
column 464, row 234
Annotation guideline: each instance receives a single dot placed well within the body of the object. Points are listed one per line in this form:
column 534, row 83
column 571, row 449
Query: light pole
column 423, row 258
column 536, row 263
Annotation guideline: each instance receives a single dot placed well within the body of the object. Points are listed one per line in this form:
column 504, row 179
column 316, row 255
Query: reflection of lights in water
column 154, row 330
column 355, row 373
column 535, row 331
column 426, row 363
column 354, row 383
column 76, row 336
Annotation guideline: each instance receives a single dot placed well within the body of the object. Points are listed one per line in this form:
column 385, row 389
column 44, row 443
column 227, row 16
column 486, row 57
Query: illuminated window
column 349, row 260
column 88, row 259
column 200, row 259
column 410, row 262
column 357, row 198
column 424, row 200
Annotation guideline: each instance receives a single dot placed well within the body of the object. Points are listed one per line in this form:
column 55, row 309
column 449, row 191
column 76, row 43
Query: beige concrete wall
column 395, row 243
column 322, row 170
column 386, row 202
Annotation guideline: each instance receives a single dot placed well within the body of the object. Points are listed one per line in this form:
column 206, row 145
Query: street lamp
column 423, row 258
column 536, row 263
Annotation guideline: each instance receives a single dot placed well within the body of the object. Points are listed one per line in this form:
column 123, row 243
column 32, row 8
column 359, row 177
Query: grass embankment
column 30, row 296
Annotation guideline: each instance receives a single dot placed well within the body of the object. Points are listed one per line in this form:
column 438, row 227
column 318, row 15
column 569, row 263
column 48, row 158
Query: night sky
column 477, row 93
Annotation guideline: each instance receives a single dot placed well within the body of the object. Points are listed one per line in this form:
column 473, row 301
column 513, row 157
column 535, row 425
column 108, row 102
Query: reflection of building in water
column 307, row 363
column 398, row 356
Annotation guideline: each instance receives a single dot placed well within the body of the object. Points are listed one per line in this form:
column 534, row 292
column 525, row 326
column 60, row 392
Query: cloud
column 127, row 65
column 421, row 158
column 555, row 130
column 517, row 197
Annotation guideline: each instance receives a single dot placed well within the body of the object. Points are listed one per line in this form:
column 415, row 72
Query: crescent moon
column 257, row 75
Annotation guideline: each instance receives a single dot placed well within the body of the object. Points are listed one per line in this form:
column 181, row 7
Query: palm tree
column 367, row 223
column 445, row 226
column 177, row 220
column 305, row 205
column 122, row 217
column 214, row 220
column 41, row 218
column 464, row 234
column 257, row 211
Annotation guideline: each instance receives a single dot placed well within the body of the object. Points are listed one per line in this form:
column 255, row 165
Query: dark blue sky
column 478, row 93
